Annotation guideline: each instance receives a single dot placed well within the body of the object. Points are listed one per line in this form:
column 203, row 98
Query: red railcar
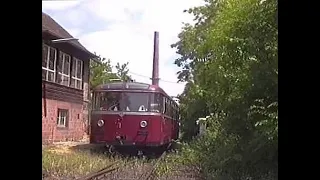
column 133, row 114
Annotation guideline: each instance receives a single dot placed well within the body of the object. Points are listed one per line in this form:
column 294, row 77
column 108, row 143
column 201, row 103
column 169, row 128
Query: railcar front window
column 136, row 102
column 108, row 101
column 120, row 101
column 156, row 103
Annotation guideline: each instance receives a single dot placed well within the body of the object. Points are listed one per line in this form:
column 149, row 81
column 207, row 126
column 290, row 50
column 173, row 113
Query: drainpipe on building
column 44, row 99
column 52, row 134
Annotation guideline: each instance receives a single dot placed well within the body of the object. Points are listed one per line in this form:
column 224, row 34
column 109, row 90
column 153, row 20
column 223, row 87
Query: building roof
column 50, row 26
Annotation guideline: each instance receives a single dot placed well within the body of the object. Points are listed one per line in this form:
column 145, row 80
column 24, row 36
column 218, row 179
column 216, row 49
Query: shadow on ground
column 92, row 148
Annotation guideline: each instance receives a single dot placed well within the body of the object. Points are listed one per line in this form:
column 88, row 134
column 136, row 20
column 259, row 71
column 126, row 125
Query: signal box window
column 64, row 69
column 63, row 117
column 49, row 56
column 76, row 73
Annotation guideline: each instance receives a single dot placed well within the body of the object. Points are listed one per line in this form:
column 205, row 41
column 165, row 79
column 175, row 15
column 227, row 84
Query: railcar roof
column 130, row 86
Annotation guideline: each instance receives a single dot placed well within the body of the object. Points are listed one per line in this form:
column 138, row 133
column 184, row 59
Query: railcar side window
column 156, row 104
column 95, row 101
column 164, row 105
column 171, row 109
column 167, row 107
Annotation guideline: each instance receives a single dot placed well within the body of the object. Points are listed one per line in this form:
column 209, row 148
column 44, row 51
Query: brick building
column 65, row 84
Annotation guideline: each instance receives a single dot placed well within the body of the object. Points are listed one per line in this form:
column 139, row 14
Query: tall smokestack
column 155, row 68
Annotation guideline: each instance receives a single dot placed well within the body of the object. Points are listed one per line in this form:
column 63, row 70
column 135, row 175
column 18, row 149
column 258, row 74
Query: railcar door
column 134, row 108
column 118, row 123
column 134, row 127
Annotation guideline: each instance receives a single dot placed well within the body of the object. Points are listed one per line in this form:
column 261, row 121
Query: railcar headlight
column 100, row 123
column 143, row 124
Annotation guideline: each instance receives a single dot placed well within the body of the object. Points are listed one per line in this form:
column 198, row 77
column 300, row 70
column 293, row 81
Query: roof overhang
column 55, row 36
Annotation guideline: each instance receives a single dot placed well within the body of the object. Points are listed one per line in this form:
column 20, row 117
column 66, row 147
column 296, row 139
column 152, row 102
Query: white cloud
column 114, row 10
column 75, row 32
column 59, row 5
column 129, row 36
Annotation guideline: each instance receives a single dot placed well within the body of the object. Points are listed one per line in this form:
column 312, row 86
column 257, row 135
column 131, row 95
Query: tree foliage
column 230, row 60
column 122, row 71
column 101, row 72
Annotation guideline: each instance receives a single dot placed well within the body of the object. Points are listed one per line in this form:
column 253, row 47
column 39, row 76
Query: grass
column 167, row 165
column 170, row 164
column 63, row 162
column 72, row 163
column 180, row 163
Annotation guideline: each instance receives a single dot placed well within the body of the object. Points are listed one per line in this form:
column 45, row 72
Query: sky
column 122, row 31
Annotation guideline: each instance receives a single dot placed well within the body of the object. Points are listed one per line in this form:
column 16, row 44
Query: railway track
column 118, row 168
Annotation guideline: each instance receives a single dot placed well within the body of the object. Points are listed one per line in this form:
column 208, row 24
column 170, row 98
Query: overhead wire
column 130, row 72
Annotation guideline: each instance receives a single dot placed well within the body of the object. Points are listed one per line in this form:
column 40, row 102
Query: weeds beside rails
column 73, row 164
column 147, row 174
column 65, row 163
column 108, row 169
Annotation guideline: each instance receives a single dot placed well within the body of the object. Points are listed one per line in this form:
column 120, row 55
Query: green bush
column 229, row 59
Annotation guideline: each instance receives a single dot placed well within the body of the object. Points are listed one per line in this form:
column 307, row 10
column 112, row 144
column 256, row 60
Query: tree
column 100, row 72
column 230, row 56
column 122, row 71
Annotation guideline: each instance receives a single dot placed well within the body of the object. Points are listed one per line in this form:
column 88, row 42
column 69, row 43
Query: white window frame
column 62, row 119
column 62, row 67
column 48, row 60
column 76, row 71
